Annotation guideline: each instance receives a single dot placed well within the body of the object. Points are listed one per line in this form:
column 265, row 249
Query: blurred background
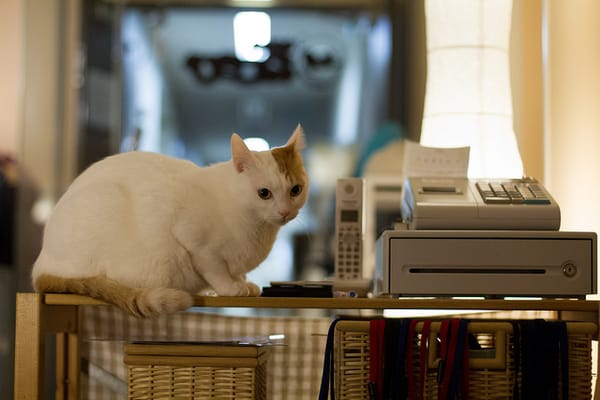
column 91, row 78
column 83, row 79
column 180, row 78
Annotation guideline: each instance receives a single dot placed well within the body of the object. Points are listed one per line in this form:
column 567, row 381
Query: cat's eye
column 264, row 193
column 296, row 190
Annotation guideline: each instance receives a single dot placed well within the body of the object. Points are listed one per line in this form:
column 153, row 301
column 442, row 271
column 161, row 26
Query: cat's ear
column 296, row 141
column 241, row 154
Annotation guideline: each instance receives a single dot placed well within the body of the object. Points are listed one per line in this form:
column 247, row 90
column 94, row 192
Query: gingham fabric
column 293, row 370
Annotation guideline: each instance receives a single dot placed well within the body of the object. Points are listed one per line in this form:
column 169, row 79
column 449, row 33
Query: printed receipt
column 425, row 161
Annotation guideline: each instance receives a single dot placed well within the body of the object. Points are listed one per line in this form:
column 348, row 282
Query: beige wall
column 572, row 110
column 11, row 74
column 50, row 47
column 527, row 84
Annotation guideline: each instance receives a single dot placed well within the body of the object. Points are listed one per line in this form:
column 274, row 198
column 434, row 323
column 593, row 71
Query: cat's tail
column 141, row 302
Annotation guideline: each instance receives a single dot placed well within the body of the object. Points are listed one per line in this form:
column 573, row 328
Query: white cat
column 145, row 231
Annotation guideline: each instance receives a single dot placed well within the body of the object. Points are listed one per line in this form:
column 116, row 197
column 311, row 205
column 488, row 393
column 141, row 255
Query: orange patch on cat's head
column 288, row 157
column 289, row 162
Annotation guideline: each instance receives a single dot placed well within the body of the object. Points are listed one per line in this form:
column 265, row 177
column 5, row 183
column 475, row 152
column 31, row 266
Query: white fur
column 146, row 220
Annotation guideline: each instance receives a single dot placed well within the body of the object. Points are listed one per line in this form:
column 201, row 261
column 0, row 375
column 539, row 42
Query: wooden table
column 39, row 315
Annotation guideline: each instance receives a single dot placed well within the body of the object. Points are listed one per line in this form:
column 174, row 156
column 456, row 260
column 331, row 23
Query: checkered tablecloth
column 294, row 368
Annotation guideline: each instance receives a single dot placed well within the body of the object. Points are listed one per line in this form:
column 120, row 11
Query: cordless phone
column 349, row 228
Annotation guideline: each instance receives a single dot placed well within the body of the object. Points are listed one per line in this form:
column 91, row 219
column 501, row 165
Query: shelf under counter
column 361, row 303
column 39, row 315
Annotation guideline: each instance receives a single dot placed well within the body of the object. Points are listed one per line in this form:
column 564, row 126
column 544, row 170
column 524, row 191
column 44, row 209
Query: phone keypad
column 512, row 192
column 349, row 250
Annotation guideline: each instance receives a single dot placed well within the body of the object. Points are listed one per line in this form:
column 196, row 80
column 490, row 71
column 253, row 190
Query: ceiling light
column 257, row 144
column 251, row 33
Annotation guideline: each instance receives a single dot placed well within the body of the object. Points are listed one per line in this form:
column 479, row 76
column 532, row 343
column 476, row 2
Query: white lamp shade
column 468, row 97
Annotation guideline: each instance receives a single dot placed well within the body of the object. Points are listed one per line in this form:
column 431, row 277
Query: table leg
column 29, row 348
column 67, row 366
column 74, row 366
column 62, row 365
column 63, row 321
column 35, row 320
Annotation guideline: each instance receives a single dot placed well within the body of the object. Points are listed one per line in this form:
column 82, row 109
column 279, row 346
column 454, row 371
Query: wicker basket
column 198, row 371
column 492, row 369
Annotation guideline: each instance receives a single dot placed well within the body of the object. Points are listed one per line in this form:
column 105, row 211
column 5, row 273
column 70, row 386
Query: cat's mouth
column 281, row 220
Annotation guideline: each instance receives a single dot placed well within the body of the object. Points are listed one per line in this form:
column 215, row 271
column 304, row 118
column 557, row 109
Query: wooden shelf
column 39, row 315
column 361, row 303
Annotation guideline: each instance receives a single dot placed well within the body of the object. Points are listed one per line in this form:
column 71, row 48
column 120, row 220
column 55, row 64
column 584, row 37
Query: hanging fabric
column 327, row 375
column 453, row 372
column 376, row 337
column 395, row 381
column 541, row 349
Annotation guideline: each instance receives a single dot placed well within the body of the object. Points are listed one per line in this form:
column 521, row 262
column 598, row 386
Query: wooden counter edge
column 360, row 303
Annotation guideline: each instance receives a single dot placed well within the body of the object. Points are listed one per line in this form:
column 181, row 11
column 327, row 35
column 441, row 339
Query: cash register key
column 498, row 189
column 497, row 200
column 484, row 189
column 537, row 191
column 530, row 196
column 489, row 194
column 513, row 193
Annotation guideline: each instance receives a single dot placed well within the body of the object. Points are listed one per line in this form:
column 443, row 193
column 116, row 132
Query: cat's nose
column 284, row 213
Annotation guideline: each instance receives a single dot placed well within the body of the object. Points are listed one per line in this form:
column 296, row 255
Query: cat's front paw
column 208, row 292
column 253, row 289
column 247, row 288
